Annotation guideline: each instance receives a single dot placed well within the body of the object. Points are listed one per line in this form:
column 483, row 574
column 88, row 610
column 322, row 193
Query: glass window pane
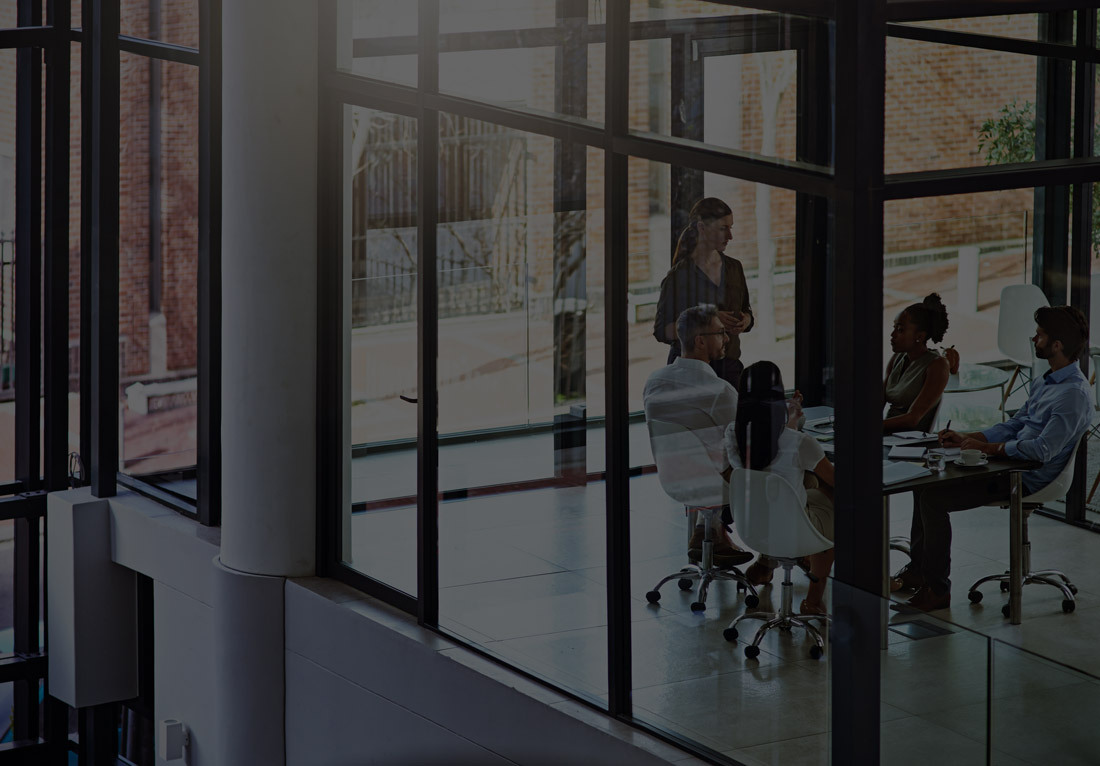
column 724, row 76
column 523, row 55
column 167, row 21
column 158, row 222
column 522, row 557
column 378, row 39
column 379, row 249
column 967, row 248
column 949, row 106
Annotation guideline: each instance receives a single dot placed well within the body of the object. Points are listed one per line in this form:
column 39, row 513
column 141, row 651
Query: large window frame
column 844, row 204
column 44, row 313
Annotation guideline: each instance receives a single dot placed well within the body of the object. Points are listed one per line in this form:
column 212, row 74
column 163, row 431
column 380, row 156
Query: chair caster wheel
column 653, row 596
column 1072, row 588
column 698, row 606
column 751, row 652
column 1004, row 586
column 815, row 652
column 1068, row 605
column 1006, row 610
column 683, row 583
column 975, row 596
column 730, row 634
column 752, row 601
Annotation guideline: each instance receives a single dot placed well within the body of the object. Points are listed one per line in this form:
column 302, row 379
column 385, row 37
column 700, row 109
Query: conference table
column 957, row 475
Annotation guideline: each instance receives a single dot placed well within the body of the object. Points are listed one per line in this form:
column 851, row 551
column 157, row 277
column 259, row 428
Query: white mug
column 971, row 456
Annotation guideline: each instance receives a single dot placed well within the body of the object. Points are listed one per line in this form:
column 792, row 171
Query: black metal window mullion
column 617, row 489
column 101, row 153
column 1084, row 108
column 427, row 324
column 209, row 272
column 56, row 303
column 860, row 54
column 28, row 370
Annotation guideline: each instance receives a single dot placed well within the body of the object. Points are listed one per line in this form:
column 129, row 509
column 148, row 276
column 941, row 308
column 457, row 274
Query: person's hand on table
column 989, row 448
column 951, row 438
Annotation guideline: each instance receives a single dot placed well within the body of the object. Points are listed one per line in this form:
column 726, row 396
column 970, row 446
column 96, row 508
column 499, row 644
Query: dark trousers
column 930, row 534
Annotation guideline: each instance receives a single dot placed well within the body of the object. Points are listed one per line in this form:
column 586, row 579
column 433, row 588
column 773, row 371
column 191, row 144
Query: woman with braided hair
column 701, row 273
column 917, row 375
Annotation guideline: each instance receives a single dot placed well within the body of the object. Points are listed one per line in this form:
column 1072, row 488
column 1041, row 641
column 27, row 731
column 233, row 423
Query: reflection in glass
column 167, row 21
column 520, row 256
column 554, row 66
column 379, row 250
column 737, row 89
column 377, row 39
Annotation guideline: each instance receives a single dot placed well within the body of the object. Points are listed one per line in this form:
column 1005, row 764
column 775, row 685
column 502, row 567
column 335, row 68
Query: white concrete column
column 269, row 286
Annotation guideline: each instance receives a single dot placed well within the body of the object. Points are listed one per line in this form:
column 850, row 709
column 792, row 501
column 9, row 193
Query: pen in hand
column 945, row 430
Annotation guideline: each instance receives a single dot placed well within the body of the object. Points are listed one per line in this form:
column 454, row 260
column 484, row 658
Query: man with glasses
column 1057, row 414
column 689, row 392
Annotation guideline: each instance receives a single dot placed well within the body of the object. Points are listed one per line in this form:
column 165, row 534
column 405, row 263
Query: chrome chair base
column 784, row 619
column 705, row 572
column 1052, row 577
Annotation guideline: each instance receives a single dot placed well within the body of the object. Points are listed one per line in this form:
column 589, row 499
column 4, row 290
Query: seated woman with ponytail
column 764, row 430
column 917, row 375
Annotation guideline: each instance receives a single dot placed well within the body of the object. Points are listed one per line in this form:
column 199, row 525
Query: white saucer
column 958, row 461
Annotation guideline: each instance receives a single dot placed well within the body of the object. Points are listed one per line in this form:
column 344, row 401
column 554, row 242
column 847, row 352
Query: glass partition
column 378, row 39
column 725, row 76
column 534, row 54
column 380, row 278
column 521, row 315
column 158, row 223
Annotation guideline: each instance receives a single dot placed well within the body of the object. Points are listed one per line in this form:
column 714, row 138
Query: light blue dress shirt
column 1046, row 428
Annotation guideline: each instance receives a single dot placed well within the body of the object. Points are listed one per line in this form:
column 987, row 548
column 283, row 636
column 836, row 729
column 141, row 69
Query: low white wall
column 367, row 685
column 364, row 684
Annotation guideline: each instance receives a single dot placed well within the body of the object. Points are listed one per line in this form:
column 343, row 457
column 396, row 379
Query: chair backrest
column 1016, row 322
column 769, row 516
column 1058, row 488
column 684, row 467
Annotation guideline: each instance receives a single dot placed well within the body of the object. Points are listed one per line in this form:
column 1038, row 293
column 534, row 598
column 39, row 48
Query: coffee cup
column 970, row 456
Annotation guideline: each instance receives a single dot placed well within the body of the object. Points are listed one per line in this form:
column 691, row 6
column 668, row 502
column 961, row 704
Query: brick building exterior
column 937, row 96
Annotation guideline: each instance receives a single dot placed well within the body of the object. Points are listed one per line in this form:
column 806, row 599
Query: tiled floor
column 523, row 575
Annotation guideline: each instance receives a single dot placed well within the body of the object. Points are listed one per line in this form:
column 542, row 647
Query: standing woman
column 700, row 273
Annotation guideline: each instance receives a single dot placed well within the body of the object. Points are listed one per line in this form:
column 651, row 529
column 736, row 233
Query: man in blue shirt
column 1057, row 413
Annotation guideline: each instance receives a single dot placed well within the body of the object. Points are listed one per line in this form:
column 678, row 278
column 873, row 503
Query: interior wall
column 364, row 683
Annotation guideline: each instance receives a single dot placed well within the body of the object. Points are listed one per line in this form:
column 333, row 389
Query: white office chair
column 770, row 519
column 1014, row 330
column 1056, row 490
column 687, row 475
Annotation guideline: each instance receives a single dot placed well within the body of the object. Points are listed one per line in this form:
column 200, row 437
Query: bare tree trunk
column 776, row 74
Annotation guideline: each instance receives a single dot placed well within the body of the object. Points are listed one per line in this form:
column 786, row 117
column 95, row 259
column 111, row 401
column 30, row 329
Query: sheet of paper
column 894, row 472
column 902, row 452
